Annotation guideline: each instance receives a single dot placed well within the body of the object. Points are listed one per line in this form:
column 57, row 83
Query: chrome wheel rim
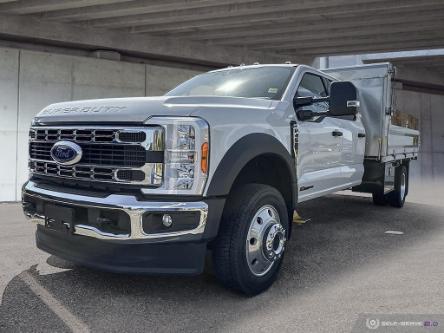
column 265, row 242
column 403, row 186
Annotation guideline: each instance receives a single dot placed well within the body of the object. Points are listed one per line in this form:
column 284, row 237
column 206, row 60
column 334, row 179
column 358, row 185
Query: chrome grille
column 120, row 155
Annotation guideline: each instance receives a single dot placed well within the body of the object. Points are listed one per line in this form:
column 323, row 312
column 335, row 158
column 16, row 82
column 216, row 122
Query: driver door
column 319, row 163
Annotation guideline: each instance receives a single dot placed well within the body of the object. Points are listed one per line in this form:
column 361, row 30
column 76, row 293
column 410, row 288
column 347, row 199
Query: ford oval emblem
column 66, row 152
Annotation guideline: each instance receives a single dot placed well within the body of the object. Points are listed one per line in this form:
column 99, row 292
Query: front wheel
column 248, row 251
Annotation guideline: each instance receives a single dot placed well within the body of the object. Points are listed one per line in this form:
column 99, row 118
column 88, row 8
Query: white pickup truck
column 216, row 166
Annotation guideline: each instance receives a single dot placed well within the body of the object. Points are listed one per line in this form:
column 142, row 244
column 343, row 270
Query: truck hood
column 139, row 109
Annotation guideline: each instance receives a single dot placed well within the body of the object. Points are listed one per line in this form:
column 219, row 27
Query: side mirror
column 302, row 101
column 305, row 114
column 343, row 99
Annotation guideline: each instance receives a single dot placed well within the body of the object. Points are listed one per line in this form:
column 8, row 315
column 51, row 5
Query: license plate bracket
column 59, row 218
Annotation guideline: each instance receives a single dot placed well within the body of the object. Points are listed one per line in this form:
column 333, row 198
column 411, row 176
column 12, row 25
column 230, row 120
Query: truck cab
column 330, row 149
column 215, row 167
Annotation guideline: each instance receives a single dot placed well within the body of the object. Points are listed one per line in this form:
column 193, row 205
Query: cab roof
column 254, row 66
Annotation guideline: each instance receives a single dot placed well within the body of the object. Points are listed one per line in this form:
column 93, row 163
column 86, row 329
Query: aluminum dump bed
column 390, row 133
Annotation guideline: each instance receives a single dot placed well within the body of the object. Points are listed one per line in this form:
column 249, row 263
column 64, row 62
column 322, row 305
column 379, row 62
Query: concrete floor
column 340, row 267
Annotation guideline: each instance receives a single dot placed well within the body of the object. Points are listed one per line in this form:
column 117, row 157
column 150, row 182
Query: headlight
column 186, row 155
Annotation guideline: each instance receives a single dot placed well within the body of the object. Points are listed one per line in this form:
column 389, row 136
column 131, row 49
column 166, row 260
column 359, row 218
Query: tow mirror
column 302, row 101
column 343, row 99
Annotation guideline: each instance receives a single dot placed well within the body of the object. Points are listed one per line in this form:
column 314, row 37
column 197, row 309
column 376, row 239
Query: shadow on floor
column 344, row 233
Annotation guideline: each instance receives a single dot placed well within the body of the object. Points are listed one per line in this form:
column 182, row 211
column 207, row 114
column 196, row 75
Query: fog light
column 167, row 220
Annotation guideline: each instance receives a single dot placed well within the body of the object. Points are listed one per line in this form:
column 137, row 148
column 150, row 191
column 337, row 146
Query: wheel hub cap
column 265, row 242
column 274, row 241
column 403, row 186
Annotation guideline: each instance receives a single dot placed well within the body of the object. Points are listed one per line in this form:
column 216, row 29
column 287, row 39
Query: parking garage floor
column 349, row 262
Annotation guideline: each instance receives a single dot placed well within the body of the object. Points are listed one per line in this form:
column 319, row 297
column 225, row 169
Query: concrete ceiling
column 434, row 64
column 297, row 29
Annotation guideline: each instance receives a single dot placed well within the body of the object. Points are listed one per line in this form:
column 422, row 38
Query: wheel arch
column 248, row 161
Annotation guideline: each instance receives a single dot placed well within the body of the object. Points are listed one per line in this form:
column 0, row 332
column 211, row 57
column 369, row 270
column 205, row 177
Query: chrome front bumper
column 126, row 203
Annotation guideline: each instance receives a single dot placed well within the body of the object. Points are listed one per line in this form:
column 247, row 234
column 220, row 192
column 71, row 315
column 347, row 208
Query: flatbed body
column 390, row 134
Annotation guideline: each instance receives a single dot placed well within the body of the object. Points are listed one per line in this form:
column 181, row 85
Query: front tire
column 249, row 249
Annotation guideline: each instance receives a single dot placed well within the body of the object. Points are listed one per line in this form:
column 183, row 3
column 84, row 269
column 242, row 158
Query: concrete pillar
column 9, row 68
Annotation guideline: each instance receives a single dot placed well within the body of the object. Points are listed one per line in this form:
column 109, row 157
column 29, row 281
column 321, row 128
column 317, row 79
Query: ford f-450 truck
column 216, row 166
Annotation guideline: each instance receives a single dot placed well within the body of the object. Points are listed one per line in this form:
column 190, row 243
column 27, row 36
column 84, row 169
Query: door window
column 313, row 85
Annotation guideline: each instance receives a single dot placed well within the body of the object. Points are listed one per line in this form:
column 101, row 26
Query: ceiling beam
column 28, row 29
column 136, row 7
column 336, row 34
column 421, row 60
column 36, row 6
column 406, row 38
column 276, row 16
column 363, row 48
column 301, row 27
column 246, row 10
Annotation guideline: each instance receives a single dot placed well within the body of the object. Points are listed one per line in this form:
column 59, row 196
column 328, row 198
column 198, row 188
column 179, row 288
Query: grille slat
column 89, row 135
column 116, row 154
column 71, row 171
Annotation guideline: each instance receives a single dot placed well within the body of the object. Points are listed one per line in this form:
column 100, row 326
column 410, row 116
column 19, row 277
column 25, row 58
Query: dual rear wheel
column 396, row 198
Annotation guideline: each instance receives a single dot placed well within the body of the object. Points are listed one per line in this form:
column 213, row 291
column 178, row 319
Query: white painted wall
column 31, row 80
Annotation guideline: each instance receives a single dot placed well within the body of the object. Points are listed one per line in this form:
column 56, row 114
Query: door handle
column 361, row 135
column 337, row 133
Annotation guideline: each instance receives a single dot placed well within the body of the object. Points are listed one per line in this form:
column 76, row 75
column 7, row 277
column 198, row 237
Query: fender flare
column 243, row 151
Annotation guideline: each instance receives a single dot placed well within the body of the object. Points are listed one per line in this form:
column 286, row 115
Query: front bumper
column 122, row 203
column 183, row 258
column 132, row 250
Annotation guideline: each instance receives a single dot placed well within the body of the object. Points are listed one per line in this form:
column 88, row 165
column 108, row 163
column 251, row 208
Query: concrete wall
column 31, row 80
column 428, row 108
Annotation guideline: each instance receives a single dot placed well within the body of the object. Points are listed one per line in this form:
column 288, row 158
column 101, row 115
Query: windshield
column 259, row 82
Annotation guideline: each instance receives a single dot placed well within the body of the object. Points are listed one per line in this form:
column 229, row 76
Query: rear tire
column 397, row 197
column 249, row 249
column 379, row 199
